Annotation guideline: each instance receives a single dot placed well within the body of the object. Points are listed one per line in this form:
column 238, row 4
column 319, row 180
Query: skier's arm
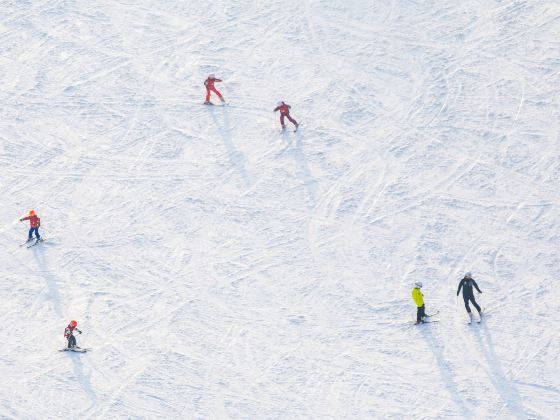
column 476, row 286
column 24, row 218
column 459, row 288
column 276, row 109
column 217, row 80
column 78, row 330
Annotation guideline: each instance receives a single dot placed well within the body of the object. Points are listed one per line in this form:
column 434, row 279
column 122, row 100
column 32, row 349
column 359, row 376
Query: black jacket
column 467, row 285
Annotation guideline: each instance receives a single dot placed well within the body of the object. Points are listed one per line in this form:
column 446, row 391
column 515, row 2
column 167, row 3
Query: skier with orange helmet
column 69, row 334
column 34, row 225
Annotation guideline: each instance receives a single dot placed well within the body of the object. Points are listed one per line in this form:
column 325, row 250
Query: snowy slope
column 222, row 269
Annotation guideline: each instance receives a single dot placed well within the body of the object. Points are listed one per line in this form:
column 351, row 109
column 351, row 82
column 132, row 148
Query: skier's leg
column 294, row 122
column 476, row 305
column 36, row 230
column 219, row 94
column 30, row 233
column 420, row 313
column 71, row 342
column 466, row 299
column 282, row 120
column 207, row 95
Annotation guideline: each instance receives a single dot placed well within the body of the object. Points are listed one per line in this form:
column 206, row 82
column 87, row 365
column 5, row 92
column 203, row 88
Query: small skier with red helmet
column 285, row 113
column 34, row 225
column 209, row 83
column 69, row 334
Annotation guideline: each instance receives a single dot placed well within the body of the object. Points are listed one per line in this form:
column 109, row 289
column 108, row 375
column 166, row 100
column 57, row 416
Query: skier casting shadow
column 69, row 334
column 209, row 84
column 418, row 298
column 34, row 225
column 467, row 284
column 284, row 109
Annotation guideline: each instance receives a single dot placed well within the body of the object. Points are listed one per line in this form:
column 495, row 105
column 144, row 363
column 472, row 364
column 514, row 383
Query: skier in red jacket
column 209, row 83
column 69, row 334
column 34, row 224
column 285, row 112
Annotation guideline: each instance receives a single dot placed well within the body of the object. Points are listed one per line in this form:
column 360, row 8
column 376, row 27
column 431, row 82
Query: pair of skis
column 283, row 129
column 75, row 349
column 224, row 103
column 29, row 245
column 429, row 321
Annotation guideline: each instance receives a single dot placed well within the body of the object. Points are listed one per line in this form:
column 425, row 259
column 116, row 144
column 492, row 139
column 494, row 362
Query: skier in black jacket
column 467, row 284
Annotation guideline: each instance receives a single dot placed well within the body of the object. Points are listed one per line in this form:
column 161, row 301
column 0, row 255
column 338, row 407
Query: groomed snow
column 221, row 269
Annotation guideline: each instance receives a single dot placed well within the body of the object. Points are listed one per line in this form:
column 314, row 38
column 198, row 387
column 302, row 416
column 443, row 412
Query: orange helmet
column 32, row 212
column 73, row 323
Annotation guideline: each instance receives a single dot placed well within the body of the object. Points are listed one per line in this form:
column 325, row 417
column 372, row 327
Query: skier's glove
column 79, row 331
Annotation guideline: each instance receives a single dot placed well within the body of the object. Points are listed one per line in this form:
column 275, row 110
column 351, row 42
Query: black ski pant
column 471, row 299
column 71, row 342
column 420, row 313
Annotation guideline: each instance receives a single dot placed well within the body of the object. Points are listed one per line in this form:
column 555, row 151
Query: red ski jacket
column 284, row 109
column 209, row 83
column 69, row 330
column 34, row 221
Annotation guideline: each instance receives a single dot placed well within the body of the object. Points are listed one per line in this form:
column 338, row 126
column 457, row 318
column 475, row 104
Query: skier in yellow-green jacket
column 419, row 301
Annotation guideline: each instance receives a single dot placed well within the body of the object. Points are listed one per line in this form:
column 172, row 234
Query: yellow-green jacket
column 418, row 297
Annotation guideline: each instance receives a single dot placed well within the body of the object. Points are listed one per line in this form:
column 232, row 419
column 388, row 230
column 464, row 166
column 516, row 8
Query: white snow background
column 221, row 269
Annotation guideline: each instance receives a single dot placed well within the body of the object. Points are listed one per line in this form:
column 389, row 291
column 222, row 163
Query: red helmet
column 32, row 212
column 73, row 323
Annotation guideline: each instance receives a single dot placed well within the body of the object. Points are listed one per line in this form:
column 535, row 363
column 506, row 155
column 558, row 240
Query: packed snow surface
column 219, row 268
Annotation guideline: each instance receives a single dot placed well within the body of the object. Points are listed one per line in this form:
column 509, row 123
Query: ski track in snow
column 222, row 269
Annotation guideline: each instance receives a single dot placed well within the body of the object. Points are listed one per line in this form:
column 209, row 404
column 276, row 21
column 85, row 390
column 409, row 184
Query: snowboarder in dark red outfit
column 209, row 83
column 285, row 113
column 34, row 225
column 69, row 334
